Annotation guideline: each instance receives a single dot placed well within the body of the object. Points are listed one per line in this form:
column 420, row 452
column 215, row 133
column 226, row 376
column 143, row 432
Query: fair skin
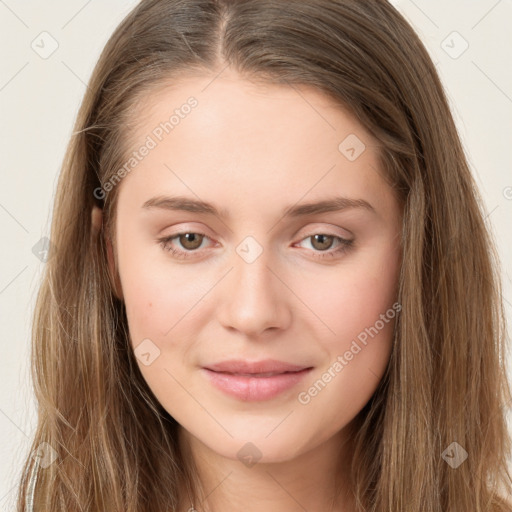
column 254, row 151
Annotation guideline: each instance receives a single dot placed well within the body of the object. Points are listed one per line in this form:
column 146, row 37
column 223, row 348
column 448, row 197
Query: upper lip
column 239, row 366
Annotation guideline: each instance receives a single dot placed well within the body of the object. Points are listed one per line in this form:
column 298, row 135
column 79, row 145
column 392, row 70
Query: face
column 255, row 318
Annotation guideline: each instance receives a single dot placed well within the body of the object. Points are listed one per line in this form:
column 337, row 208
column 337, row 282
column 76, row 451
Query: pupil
column 192, row 238
column 322, row 239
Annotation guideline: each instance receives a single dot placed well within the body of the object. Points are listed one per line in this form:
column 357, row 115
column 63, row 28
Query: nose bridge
column 254, row 299
column 253, row 275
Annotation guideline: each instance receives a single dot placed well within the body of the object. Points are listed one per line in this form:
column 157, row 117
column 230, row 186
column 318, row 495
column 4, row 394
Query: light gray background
column 39, row 99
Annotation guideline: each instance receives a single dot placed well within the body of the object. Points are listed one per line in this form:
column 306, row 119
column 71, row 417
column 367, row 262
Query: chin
column 259, row 447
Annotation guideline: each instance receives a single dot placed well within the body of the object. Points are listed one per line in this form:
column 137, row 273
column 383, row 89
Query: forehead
column 233, row 107
column 252, row 140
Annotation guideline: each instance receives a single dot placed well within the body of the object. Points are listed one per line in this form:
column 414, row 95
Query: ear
column 114, row 275
column 97, row 225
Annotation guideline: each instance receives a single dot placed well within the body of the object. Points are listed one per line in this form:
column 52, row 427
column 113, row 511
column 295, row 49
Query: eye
column 323, row 242
column 189, row 240
column 192, row 241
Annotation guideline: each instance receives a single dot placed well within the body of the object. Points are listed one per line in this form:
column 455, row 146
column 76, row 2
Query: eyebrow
column 187, row 204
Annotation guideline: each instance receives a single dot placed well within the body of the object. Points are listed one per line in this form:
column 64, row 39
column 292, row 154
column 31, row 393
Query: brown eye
column 190, row 241
column 322, row 242
column 183, row 245
column 328, row 246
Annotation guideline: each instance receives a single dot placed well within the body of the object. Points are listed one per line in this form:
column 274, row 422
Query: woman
column 285, row 297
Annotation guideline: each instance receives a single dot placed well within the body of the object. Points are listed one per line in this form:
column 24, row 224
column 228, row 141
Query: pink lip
column 250, row 381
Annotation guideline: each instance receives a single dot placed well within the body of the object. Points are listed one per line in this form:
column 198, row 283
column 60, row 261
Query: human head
column 253, row 289
column 365, row 57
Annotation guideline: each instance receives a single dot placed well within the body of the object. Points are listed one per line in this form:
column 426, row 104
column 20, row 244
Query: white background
column 39, row 99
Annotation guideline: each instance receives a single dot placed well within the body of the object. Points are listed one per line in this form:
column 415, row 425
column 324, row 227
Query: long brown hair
column 446, row 382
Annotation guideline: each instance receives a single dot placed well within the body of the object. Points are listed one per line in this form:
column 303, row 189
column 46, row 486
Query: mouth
column 243, row 367
column 248, row 384
column 267, row 374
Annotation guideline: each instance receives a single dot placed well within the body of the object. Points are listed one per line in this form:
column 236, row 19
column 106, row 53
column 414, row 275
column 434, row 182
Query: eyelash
column 344, row 246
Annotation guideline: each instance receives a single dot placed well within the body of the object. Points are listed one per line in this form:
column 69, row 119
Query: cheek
column 352, row 298
column 359, row 306
column 150, row 308
column 159, row 297
column 158, row 307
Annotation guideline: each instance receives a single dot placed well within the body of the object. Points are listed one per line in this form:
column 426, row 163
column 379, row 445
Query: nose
column 254, row 298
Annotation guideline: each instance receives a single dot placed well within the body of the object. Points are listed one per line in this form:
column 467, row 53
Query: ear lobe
column 96, row 220
column 97, row 225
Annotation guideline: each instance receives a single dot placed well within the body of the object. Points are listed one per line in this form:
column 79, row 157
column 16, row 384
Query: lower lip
column 254, row 389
